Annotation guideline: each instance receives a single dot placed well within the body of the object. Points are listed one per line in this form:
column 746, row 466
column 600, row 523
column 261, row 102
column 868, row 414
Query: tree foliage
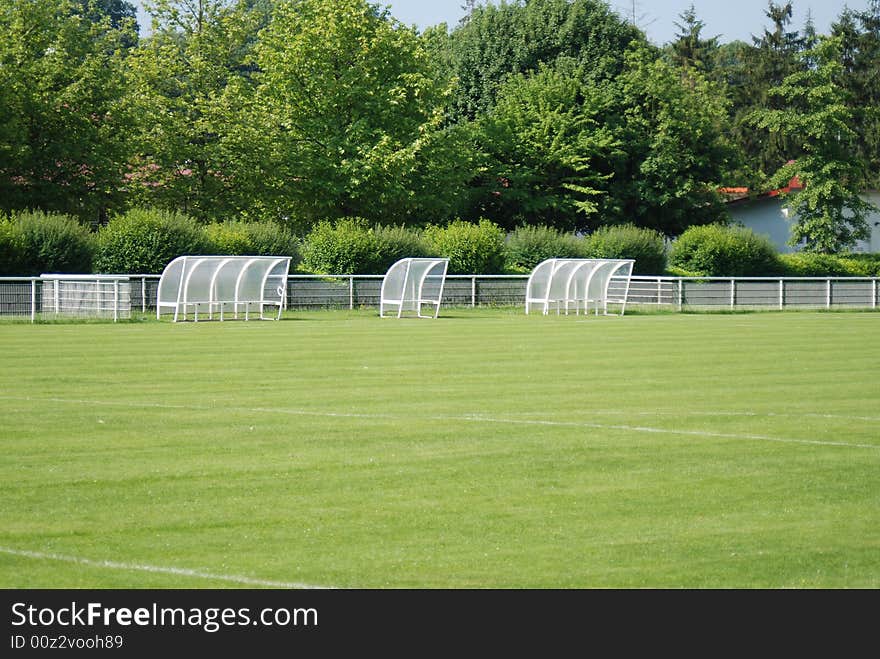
column 353, row 111
column 497, row 40
column 63, row 125
column 542, row 140
column 541, row 113
column 830, row 213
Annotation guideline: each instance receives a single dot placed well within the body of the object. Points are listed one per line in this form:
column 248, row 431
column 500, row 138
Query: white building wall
column 768, row 216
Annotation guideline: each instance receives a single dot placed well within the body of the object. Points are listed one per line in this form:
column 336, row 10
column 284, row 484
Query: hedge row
column 144, row 241
column 724, row 251
column 140, row 241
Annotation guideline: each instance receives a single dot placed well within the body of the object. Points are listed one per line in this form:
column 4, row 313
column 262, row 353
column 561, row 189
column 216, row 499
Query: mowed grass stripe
column 258, row 411
column 395, row 471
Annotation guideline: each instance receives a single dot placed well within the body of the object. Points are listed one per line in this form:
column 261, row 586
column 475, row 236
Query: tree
column 674, row 154
column 690, row 50
column 542, row 139
column 192, row 85
column 830, row 213
column 859, row 33
column 63, row 127
column 495, row 41
column 354, row 113
column 756, row 69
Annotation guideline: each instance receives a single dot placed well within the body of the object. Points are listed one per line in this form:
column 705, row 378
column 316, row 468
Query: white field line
column 469, row 419
column 196, row 574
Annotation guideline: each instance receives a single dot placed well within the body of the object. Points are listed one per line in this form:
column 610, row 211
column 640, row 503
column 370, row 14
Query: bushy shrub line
column 716, row 250
column 627, row 241
column 473, row 249
column 145, row 240
column 353, row 246
column 830, row 265
column 33, row 243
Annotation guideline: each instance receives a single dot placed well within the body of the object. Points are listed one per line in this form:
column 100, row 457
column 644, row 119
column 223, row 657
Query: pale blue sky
column 729, row 19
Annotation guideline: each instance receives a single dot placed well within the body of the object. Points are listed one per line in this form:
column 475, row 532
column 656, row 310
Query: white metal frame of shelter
column 223, row 284
column 411, row 283
column 566, row 284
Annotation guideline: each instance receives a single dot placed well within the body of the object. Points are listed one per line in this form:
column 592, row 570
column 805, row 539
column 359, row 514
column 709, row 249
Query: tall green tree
column 496, row 40
column 759, row 67
column 859, row 33
column 572, row 152
column 63, row 126
column 542, row 140
column 830, row 213
column 192, row 83
column 674, row 152
column 354, row 114
column 690, row 50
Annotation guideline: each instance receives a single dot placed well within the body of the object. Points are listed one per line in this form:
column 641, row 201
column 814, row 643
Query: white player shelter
column 412, row 283
column 222, row 285
column 575, row 284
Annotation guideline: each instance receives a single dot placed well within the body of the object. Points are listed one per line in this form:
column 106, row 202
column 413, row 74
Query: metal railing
column 22, row 297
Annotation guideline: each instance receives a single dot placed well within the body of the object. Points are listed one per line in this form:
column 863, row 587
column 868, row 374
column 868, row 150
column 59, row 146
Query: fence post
column 473, row 291
column 33, row 300
column 143, row 295
column 874, row 296
column 781, row 294
column 115, row 298
column 732, row 294
column 351, row 292
column 680, row 293
column 828, row 295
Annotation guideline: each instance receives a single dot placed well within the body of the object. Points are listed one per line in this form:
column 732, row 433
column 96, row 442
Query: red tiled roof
column 737, row 193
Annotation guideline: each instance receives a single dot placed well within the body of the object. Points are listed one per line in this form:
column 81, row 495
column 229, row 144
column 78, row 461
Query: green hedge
column 805, row 264
column 627, row 241
column 10, row 249
column 33, row 243
column 717, row 250
column 473, row 249
column 146, row 240
column 398, row 242
column 527, row 246
column 353, row 246
column 265, row 238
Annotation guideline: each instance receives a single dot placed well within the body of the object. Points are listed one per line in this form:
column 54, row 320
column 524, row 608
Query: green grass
column 484, row 449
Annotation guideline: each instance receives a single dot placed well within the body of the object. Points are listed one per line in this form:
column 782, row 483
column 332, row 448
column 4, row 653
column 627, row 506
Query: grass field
column 484, row 449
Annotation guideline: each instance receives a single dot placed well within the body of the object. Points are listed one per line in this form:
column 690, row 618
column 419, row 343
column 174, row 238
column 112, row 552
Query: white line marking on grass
column 799, row 415
column 473, row 418
column 665, row 431
column 196, row 574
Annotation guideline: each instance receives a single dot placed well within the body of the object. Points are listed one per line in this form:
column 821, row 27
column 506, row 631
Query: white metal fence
column 23, row 297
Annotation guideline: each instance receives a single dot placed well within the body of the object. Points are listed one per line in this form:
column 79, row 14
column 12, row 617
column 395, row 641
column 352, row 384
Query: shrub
column 146, row 240
column 870, row 262
column 527, row 246
column 627, row 241
column 264, row 238
column 716, row 250
column 807, row 264
column 345, row 247
column 33, row 242
column 11, row 249
column 473, row 249
column 352, row 246
column 397, row 242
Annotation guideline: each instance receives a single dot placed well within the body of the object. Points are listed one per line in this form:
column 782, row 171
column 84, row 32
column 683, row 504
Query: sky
column 728, row 19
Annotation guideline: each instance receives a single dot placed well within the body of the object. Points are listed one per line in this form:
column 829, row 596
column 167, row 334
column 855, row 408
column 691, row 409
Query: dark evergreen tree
column 690, row 50
column 859, row 35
